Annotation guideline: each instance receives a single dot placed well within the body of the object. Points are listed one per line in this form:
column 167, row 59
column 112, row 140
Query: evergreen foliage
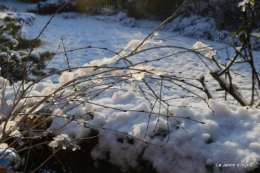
column 14, row 50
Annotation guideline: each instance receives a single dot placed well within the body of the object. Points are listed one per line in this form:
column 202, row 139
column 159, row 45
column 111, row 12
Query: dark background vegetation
column 225, row 12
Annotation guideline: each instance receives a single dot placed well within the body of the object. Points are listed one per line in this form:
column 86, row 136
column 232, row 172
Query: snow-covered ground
column 229, row 134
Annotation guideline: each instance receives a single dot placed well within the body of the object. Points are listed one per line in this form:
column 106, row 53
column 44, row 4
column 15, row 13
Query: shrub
column 35, row 113
column 14, row 56
column 45, row 116
column 50, row 7
column 31, row 1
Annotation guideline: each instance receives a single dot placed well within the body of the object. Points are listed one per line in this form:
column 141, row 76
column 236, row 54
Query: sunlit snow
column 229, row 135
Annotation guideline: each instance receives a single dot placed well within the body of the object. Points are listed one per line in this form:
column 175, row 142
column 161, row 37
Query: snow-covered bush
column 15, row 49
column 51, row 6
column 71, row 110
column 139, row 112
column 223, row 73
column 30, row 1
column 82, row 6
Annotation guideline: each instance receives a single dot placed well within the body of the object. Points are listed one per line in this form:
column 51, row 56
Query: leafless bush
column 224, row 72
column 28, row 115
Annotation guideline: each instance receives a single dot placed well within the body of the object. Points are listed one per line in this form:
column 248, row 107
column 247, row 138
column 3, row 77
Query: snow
column 244, row 3
column 65, row 77
column 27, row 18
column 64, row 141
column 3, row 55
column 255, row 34
column 130, row 121
column 205, row 49
column 35, row 56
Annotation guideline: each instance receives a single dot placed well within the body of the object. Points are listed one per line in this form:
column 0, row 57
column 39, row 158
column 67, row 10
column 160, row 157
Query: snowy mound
column 134, row 127
column 151, row 101
column 226, row 141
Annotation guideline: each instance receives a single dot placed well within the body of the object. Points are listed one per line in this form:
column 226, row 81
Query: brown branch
column 228, row 89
